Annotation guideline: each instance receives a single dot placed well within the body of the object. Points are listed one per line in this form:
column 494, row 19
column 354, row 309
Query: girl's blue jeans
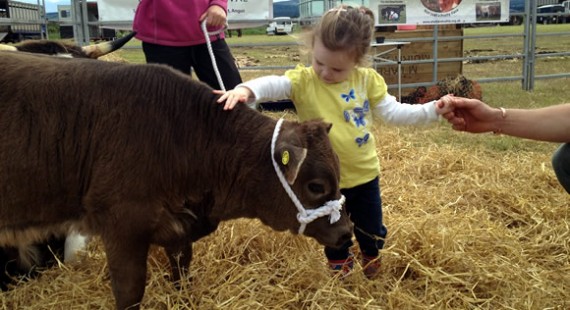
column 364, row 207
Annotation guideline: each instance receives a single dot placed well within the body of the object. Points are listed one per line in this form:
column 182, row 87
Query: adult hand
column 470, row 115
column 215, row 17
column 232, row 97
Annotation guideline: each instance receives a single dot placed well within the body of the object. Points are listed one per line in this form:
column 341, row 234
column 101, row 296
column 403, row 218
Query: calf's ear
column 290, row 158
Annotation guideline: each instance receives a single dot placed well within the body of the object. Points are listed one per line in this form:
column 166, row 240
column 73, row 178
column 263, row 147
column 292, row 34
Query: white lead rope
column 304, row 216
column 211, row 52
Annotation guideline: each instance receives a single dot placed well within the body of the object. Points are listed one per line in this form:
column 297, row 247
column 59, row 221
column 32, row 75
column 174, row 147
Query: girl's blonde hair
column 345, row 28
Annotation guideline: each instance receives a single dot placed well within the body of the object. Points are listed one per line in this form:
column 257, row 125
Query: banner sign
column 116, row 10
column 435, row 12
column 250, row 10
column 238, row 10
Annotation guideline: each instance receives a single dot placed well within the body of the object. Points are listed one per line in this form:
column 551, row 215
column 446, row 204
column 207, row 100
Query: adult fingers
column 216, row 16
column 448, row 116
column 460, row 102
column 457, row 122
column 459, row 127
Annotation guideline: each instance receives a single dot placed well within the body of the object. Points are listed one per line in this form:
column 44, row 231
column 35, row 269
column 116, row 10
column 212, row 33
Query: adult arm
column 545, row 124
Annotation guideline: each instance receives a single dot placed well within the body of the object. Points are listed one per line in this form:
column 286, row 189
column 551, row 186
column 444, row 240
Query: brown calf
column 140, row 155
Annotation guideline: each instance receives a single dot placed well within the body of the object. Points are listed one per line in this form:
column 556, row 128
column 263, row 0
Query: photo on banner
column 435, row 12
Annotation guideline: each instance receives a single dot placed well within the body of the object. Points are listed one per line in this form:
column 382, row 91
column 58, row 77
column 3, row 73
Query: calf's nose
column 343, row 239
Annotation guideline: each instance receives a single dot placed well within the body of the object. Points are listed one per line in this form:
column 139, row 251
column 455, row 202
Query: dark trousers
column 364, row 207
column 561, row 165
column 186, row 58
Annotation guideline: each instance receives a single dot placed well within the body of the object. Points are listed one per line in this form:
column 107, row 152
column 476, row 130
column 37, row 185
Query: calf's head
column 310, row 182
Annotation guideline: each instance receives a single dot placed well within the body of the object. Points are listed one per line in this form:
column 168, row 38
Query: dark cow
column 25, row 261
column 58, row 48
column 140, row 155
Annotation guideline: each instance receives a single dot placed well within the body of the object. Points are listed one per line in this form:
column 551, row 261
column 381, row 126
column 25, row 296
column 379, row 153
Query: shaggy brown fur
column 141, row 154
column 26, row 261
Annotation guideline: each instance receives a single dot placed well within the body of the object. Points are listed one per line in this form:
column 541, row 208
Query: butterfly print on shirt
column 348, row 96
column 362, row 140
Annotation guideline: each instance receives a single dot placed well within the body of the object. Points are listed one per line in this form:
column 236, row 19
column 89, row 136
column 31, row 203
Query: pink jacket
column 173, row 22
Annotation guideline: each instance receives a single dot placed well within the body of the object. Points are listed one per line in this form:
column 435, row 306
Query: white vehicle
column 280, row 25
column 566, row 5
column 558, row 15
column 21, row 12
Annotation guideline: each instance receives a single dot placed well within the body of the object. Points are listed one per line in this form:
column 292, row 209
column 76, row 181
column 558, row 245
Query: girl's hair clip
column 338, row 10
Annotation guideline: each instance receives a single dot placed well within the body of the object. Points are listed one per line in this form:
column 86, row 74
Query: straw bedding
column 469, row 228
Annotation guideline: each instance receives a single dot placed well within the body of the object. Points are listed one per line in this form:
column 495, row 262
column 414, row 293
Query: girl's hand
column 232, row 97
column 444, row 106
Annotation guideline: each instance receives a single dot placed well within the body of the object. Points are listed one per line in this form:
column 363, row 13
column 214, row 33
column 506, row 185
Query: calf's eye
column 316, row 188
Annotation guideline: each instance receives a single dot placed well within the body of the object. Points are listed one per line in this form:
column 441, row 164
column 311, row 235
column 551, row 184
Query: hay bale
column 459, row 86
column 113, row 57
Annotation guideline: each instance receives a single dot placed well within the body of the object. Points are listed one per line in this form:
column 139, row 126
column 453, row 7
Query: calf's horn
column 6, row 47
column 98, row 50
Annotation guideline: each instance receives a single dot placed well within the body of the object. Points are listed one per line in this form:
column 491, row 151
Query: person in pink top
column 171, row 34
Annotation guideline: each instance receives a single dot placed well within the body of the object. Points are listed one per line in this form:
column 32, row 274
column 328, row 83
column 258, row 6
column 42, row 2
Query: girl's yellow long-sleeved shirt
column 350, row 106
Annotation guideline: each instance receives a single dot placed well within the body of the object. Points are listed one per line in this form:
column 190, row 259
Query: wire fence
column 527, row 52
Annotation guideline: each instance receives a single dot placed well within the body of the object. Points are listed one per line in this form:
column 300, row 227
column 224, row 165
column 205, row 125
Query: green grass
column 545, row 39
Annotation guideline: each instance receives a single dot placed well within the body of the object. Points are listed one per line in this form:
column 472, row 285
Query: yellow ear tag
column 285, row 158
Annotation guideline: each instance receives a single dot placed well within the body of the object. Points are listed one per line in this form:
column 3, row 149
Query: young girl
column 340, row 92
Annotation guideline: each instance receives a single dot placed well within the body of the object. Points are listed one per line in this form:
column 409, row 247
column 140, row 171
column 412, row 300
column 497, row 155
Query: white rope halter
column 304, row 216
column 211, row 52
